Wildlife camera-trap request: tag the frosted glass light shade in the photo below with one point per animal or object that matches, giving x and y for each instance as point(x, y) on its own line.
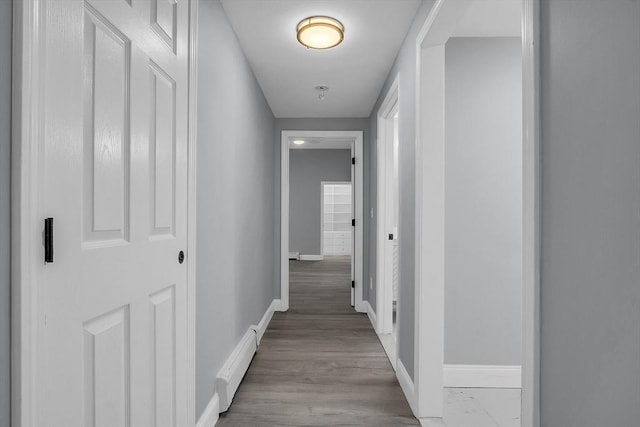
point(320, 32)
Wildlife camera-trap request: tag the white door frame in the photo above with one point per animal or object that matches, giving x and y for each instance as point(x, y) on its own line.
point(27, 210)
point(322, 185)
point(286, 136)
point(430, 215)
point(384, 292)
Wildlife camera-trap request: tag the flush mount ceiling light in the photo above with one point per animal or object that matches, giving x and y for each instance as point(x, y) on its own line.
point(320, 32)
point(298, 142)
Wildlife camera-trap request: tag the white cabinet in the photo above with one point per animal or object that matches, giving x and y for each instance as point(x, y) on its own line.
point(336, 219)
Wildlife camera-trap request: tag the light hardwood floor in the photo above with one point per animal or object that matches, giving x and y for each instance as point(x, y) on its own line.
point(320, 363)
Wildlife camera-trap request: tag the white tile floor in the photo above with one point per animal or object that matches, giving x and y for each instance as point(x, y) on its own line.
point(469, 407)
point(479, 407)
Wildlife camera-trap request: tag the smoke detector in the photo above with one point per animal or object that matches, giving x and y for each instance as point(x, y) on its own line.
point(321, 89)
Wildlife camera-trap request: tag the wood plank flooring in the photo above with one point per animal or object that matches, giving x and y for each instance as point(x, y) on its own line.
point(320, 363)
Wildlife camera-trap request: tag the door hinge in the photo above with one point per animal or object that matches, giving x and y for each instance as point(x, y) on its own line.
point(390, 236)
point(353, 161)
point(353, 222)
point(353, 284)
point(48, 240)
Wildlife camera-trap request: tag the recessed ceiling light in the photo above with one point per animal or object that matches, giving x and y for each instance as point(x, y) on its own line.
point(320, 32)
point(298, 142)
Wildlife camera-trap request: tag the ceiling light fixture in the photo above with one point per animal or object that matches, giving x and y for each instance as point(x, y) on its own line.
point(320, 32)
point(298, 142)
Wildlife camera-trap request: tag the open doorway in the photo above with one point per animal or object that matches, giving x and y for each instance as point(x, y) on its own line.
point(319, 166)
point(336, 222)
point(476, 202)
point(388, 254)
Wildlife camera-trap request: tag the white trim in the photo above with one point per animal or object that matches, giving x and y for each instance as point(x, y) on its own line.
point(531, 214)
point(429, 264)
point(26, 180)
point(286, 135)
point(277, 305)
point(192, 193)
point(311, 257)
point(26, 153)
point(209, 417)
point(429, 200)
point(482, 376)
point(262, 326)
point(284, 223)
point(371, 315)
point(358, 214)
point(384, 291)
point(230, 375)
point(235, 367)
point(406, 384)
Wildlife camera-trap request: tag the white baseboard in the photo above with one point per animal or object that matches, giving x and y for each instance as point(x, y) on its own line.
point(210, 416)
point(231, 374)
point(311, 257)
point(432, 422)
point(360, 307)
point(372, 315)
point(482, 376)
point(261, 327)
point(406, 384)
point(278, 306)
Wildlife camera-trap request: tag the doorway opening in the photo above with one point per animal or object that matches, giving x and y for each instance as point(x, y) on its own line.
point(336, 228)
point(452, 174)
point(388, 248)
point(319, 166)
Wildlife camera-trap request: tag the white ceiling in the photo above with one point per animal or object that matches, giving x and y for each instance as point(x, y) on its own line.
point(354, 71)
point(491, 18)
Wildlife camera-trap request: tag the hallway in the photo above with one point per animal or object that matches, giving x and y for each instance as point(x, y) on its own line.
point(320, 363)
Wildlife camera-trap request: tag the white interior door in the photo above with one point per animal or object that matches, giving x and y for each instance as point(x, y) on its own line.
point(392, 248)
point(113, 309)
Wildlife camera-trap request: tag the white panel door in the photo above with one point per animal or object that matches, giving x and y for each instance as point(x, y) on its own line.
point(114, 304)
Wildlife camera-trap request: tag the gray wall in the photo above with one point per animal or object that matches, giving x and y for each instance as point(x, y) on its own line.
point(236, 202)
point(405, 65)
point(483, 201)
point(307, 169)
point(5, 169)
point(355, 124)
point(590, 291)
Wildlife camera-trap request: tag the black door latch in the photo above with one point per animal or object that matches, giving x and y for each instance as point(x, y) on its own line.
point(48, 240)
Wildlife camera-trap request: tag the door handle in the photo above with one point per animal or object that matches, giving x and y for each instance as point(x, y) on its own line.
point(48, 240)
point(180, 257)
